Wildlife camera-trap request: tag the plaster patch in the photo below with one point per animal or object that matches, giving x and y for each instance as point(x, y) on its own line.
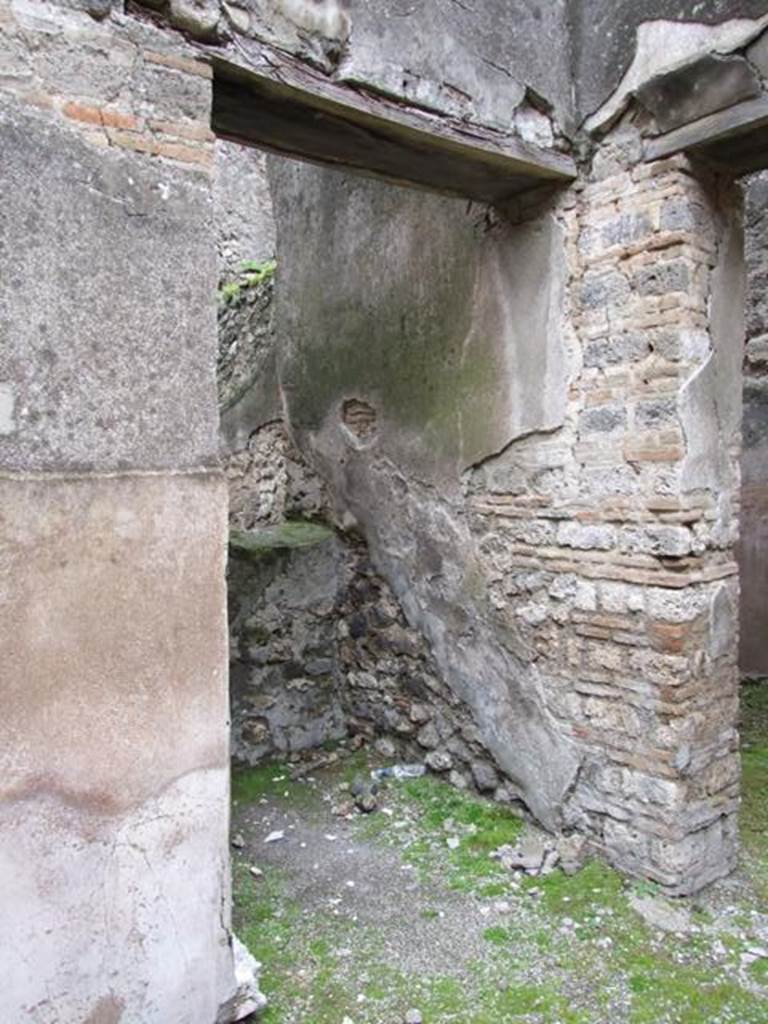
point(328, 17)
point(663, 46)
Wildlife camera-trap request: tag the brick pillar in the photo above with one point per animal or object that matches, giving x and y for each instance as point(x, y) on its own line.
point(114, 771)
point(658, 304)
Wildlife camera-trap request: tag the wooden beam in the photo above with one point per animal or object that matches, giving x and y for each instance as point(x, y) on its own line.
point(742, 154)
point(717, 133)
point(299, 112)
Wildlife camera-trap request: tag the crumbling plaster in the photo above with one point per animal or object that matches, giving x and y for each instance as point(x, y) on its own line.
point(474, 67)
point(429, 348)
point(603, 681)
point(618, 46)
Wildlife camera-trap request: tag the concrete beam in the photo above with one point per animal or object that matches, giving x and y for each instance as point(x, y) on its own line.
point(297, 112)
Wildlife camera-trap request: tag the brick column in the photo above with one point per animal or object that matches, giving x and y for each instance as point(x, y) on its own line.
point(609, 540)
point(658, 310)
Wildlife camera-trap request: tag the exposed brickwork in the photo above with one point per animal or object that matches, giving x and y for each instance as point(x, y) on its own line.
point(615, 570)
point(143, 91)
point(607, 543)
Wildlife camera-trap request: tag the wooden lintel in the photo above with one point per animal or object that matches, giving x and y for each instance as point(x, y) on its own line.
point(727, 137)
point(301, 113)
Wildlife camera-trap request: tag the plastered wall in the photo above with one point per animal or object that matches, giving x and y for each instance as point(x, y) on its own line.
point(113, 743)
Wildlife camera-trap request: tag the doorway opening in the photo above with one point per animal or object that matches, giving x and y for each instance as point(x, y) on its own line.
point(366, 899)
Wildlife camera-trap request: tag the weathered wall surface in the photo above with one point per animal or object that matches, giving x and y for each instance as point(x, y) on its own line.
point(753, 542)
point(246, 373)
point(620, 44)
point(284, 672)
point(242, 207)
point(537, 439)
point(114, 848)
point(113, 840)
point(479, 64)
point(477, 67)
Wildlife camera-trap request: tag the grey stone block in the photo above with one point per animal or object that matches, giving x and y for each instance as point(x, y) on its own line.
point(702, 87)
point(603, 420)
point(660, 278)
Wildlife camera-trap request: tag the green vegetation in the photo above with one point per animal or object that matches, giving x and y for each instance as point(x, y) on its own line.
point(294, 533)
point(251, 273)
point(257, 271)
point(754, 761)
point(553, 950)
point(271, 780)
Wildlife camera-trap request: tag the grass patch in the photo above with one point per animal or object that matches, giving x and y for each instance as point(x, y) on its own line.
point(689, 995)
point(496, 936)
point(753, 819)
point(595, 887)
point(573, 953)
point(480, 825)
point(270, 781)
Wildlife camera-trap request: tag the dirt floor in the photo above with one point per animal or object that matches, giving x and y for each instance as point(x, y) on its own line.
point(401, 916)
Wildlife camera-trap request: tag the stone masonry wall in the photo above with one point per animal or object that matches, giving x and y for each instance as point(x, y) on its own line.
point(320, 650)
point(319, 646)
point(753, 544)
point(610, 541)
point(585, 570)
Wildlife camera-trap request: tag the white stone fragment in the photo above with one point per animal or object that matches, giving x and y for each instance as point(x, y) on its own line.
point(660, 913)
point(247, 998)
point(7, 404)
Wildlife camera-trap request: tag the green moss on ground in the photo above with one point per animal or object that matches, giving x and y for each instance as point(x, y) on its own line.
point(272, 781)
point(569, 950)
point(479, 825)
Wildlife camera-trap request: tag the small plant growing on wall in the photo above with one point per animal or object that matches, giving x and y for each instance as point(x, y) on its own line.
point(250, 273)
